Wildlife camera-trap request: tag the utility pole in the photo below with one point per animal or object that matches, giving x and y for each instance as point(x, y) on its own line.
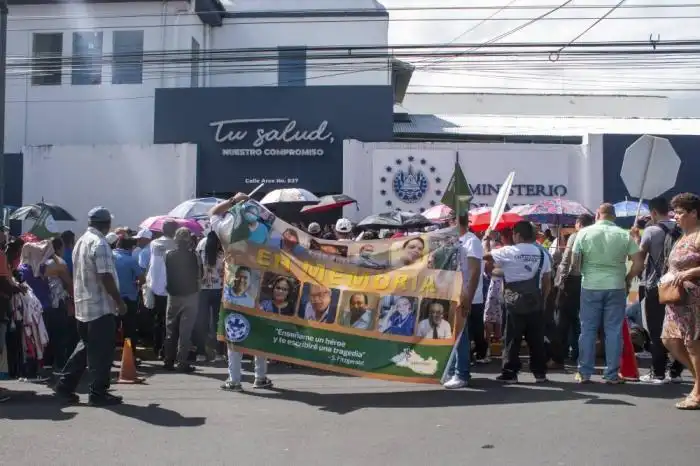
point(3, 71)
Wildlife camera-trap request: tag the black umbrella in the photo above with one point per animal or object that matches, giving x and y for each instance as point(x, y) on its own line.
point(34, 211)
point(397, 220)
point(327, 203)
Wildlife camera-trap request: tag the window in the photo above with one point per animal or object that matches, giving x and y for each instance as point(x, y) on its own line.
point(87, 58)
point(194, 70)
point(47, 50)
point(292, 67)
point(127, 61)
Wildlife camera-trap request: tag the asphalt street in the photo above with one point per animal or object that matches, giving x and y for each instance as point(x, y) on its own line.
point(315, 418)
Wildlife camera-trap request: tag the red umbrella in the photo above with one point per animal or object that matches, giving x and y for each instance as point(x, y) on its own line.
point(481, 222)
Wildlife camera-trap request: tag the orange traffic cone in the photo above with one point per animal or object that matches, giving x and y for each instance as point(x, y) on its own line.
point(629, 370)
point(127, 372)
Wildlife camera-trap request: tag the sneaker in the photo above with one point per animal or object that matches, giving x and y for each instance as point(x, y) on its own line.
point(486, 360)
point(643, 355)
point(219, 358)
point(4, 398)
point(541, 379)
point(169, 366)
point(230, 386)
point(262, 383)
point(653, 380)
point(507, 378)
point(105, 400)
point(455, 382)
point(201, 358)
point(675, 378)
point(615, 381)
point(66, 397)
point(580, 378)
point(185, 368)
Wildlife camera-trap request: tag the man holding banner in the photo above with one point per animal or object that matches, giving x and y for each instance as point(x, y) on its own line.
point(230, 226)
point(471, 254)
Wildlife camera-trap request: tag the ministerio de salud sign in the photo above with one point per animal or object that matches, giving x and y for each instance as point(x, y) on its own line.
point(275, 137)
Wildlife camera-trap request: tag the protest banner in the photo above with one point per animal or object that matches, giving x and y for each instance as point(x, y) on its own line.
point(383, 309)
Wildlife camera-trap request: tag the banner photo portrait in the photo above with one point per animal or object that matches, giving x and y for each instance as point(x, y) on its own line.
point(384, 309)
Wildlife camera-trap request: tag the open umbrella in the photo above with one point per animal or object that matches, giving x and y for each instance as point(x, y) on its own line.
point(554, 211)
point(290, 195)
point(156, 223)
point(439, 213)
point(629, 209)
point(194, 208)
point(35, 211)
point(397, 220)
point(481, 222)
point(519, 209)
point(327, 203)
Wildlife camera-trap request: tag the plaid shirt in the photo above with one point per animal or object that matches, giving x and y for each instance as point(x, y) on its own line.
point(92, 256)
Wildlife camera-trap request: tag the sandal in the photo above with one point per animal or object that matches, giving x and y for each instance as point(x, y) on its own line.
point(689, 404)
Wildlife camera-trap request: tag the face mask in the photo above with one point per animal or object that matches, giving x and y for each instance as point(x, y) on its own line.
point(251, 218)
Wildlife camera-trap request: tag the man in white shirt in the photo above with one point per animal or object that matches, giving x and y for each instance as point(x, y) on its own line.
point(435, 327)
point(527, 270)
point(470, 256)
point(156, 282)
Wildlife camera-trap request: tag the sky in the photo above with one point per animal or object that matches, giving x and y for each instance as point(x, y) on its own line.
point(457, 22)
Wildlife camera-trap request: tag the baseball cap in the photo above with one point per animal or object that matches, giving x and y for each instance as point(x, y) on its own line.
point(99, 214)
point(314, 228)
point(111, 237)
point(343, 225)
point(144, 233)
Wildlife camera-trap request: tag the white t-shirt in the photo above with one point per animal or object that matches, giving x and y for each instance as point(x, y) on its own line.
point(472, 247)
point(520, 262)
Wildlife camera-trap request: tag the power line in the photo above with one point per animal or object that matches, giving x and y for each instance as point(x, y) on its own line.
point(329, 12)
point(516, 29)
point(597, 22)
point(479, 24)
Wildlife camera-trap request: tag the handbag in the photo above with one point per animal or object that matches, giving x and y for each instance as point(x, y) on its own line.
point(671, 294)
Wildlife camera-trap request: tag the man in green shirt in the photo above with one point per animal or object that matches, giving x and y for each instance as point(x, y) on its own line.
point(602, 251)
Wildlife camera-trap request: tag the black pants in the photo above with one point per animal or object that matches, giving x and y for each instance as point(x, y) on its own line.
point(476, 331)
point(159, 309)
point(654, 312)
point(129, 321)
point(94, 351)
point(568, 323)
point(62, 337)
point(531, 326)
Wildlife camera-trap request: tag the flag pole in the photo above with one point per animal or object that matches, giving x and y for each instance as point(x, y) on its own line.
point(453, 353)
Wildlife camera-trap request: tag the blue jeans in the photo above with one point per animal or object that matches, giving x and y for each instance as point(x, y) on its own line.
point(460, 362)
point(606, 307)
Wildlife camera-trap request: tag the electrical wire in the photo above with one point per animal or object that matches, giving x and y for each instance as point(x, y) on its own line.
point(477, 25)
point(329, 12)
point(589, 28)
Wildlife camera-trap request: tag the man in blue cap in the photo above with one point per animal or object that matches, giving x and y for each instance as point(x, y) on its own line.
point(97, 302)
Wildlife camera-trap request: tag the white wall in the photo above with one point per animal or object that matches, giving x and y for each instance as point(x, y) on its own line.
point(273, 32)
point(482, 163)
point(132, 181)
point(93, 114)
point(538, 104)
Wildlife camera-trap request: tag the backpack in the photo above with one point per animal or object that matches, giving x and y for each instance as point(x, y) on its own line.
point(670, 238)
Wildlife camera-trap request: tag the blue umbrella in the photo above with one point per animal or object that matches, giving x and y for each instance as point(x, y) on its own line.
point(629, 209)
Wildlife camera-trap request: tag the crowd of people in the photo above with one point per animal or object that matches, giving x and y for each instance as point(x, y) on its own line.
point(64, 301)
